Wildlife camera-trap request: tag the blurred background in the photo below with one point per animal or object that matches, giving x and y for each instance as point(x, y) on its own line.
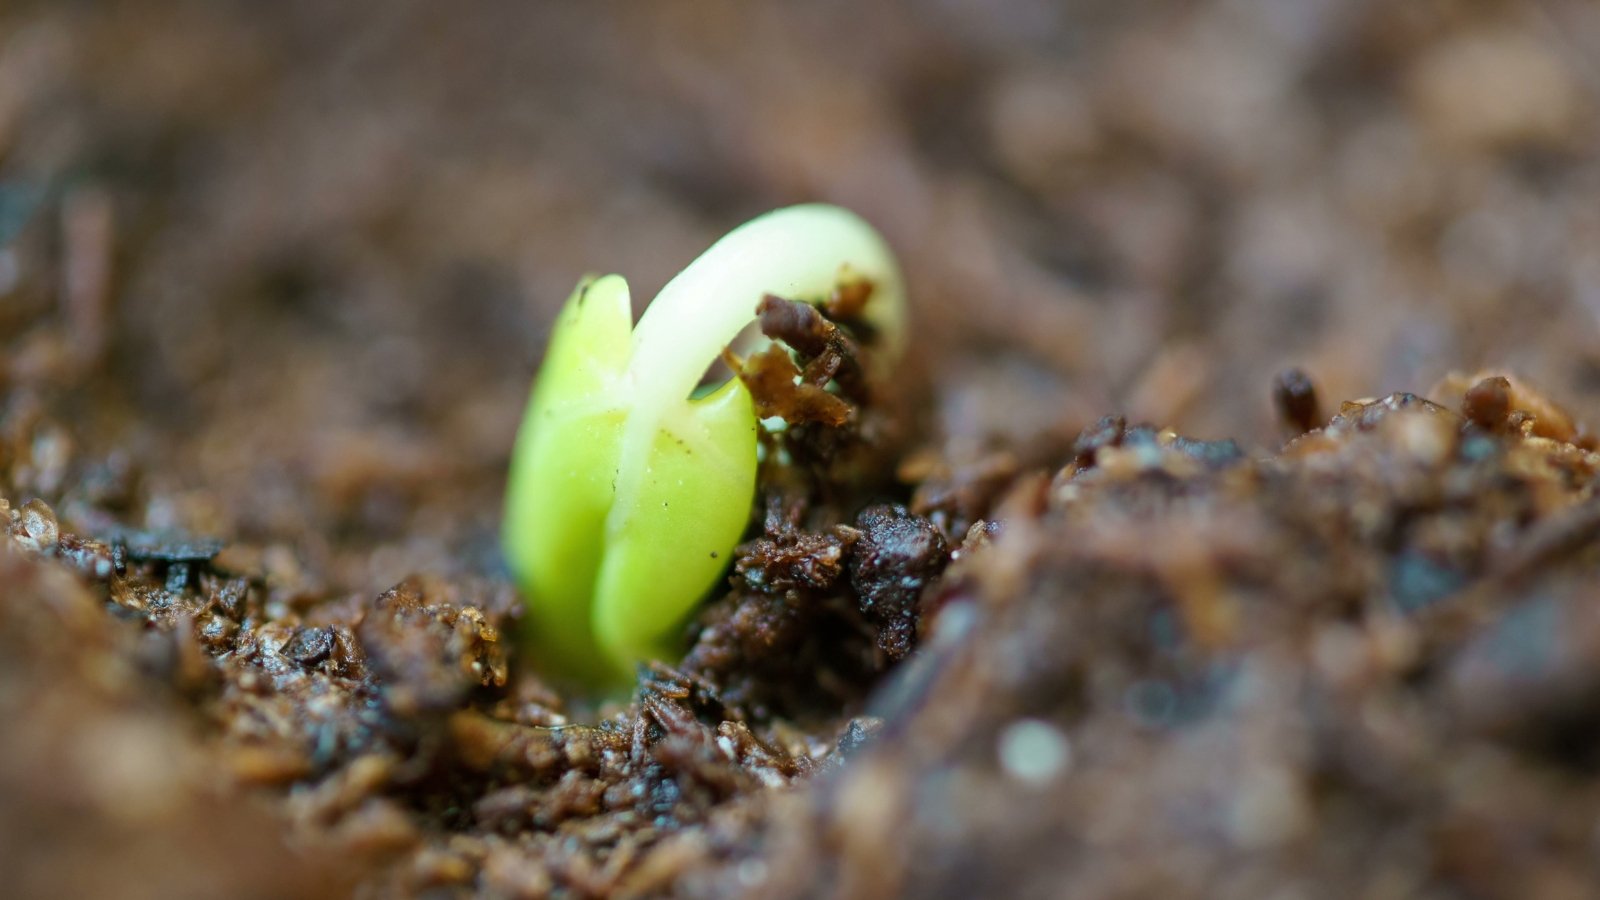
point(299, 259)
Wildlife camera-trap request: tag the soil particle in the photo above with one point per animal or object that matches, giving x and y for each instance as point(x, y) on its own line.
point(1107, 432)
point(310, 646)
point(1294, 395)
point(1211, 454)
point(34, 527)
point(93, 558)
point(829, 354)
point(1528, 410)
point(1488, 402)
point(895, 557)
point(428, 651)
point(848, 301)
point(799, 394)
point(780, 390)
point(845, 420)
point(803, 561)
point(856, 735)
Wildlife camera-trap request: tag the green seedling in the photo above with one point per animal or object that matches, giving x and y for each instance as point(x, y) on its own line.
point(630, 485)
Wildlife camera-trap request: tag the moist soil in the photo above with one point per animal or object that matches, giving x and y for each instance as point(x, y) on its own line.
point(1229, 530)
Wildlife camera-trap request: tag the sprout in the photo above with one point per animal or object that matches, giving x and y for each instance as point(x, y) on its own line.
point(629, 488)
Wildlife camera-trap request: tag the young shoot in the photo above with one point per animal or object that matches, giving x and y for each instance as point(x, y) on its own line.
point(629, 488)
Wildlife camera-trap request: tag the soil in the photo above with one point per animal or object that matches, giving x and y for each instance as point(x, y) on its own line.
point(1113, 589)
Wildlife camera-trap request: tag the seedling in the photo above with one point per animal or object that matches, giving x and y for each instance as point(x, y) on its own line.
point(629, 487)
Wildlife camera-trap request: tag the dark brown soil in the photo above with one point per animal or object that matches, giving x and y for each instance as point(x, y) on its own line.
point(273, 280)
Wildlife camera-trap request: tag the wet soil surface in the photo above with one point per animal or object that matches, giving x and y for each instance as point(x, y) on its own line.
point(1106, 592)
